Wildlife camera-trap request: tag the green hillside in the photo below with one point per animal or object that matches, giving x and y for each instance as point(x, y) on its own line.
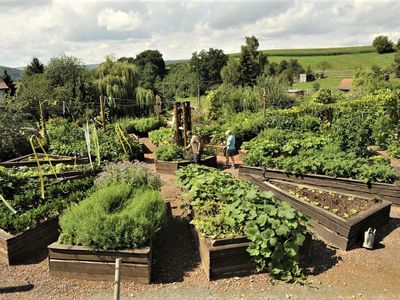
point(13, 72)
point(345, 62)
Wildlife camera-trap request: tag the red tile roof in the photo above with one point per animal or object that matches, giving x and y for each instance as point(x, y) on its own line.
point(3, 85)
point(345, 84)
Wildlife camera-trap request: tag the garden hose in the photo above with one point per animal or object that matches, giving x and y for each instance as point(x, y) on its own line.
point(8, 204)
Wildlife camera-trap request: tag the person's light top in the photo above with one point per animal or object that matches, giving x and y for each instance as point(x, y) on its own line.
point(231, 142)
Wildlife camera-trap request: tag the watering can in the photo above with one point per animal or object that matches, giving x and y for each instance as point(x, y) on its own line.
point(369, 238)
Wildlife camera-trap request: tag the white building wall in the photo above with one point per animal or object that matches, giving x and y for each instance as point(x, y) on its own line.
point(1, 96)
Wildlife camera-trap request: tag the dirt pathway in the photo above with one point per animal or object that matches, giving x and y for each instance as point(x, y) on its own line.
point(177, 274)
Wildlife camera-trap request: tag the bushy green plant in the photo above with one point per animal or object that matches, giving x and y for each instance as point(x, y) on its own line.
point(32, 209)
point(227, 207)
point(140, 125)
point(136, 174)
point(324, 96)
point(394, 149)
point(161, 136)
point(114, 217)
point(170, 152)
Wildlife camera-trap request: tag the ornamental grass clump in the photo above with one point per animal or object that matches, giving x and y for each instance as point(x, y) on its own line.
point(225, 207)
point(116, 216)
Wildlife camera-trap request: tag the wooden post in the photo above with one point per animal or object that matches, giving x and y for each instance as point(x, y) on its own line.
point(102, 113)
point(43, 122)
point(177, 118)
point(185, 129)
point(198, 96)
point(264, 97)
point(117, 279)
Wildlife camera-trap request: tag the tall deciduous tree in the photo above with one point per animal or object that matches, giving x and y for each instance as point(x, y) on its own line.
point(207, 65)
point(252, 62)
point(117, 79)
point(382, 44)
point(35, 67)
point(230, 73)
point(397, 64)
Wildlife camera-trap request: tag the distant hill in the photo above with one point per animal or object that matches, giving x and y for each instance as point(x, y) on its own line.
point(14, 73)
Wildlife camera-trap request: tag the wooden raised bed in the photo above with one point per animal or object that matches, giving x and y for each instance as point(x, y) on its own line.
point(385, 191)
point(17, 247)
point(335, 230)
point(55, 159)
point(170, 167)
point(85, 263)
point(221, 258)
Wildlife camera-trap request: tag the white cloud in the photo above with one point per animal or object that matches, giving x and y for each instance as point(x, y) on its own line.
point(119, 20)
point(92, 29)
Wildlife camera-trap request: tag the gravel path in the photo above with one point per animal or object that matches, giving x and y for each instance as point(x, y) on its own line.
point(177, 274)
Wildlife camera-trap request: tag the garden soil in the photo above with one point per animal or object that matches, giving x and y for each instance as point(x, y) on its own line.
point(177, 274)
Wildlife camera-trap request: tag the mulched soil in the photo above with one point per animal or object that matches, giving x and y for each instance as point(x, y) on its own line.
point(341, 205)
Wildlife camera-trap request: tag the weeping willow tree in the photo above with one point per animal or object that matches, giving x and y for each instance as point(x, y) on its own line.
point(144, 97)
point(117, 79)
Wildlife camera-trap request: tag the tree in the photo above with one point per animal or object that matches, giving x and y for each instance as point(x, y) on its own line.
point(151, 56)
point(398, 44)
point(181, 81)
point(35, 67)
point(397, 64)
point(382, 44)
point(116, 79)
point(207, 65)
point(33, 90)
point(64, 70)
point(251, 62)
point(323, 65)
point(9, 82)
point(230, 73)
point(275, 90)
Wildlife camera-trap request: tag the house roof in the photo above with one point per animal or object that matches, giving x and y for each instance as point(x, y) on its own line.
point(3, 85)
point(345, 84)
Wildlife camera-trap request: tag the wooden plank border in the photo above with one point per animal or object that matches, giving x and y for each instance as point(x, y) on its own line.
point(340, 232)
point(91, 264)
point(222, 258)
point(170, 167)
point(15, 248)
point(385, 191)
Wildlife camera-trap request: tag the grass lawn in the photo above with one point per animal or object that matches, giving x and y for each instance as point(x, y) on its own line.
point(203, 101)
point(325, 83)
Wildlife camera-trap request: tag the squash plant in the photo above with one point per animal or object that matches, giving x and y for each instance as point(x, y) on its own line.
point(227, 207)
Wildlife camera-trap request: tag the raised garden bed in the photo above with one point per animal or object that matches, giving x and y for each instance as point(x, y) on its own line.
point(385, 191)
point(221, 258)
point(30, 161)
point(336, 230)
point(17, 247)
point(89, 264)
point(170, 167)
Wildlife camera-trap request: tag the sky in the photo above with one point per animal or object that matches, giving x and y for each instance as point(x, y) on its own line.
point(92, 29)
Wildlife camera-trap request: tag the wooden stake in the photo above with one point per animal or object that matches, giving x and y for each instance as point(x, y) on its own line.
point(185, 128)
point(177, 118)
point(264, 97)
point(43, 122)
point(102, 113)
point(117, 279)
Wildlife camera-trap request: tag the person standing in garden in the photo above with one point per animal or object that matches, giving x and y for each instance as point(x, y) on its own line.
point(230, 148)
point(195, 144)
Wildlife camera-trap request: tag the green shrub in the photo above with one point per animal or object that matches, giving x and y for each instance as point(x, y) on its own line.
point(137, 175)
point(394, 149)
point(161, 136)
point(170, 152)
point(324, 96)
point(140, 125)
point(31, 209)
point(114, 217)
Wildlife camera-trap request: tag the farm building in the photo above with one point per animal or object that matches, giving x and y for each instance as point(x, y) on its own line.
point(306, 77)
point(345, 85)
point(3, 88)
